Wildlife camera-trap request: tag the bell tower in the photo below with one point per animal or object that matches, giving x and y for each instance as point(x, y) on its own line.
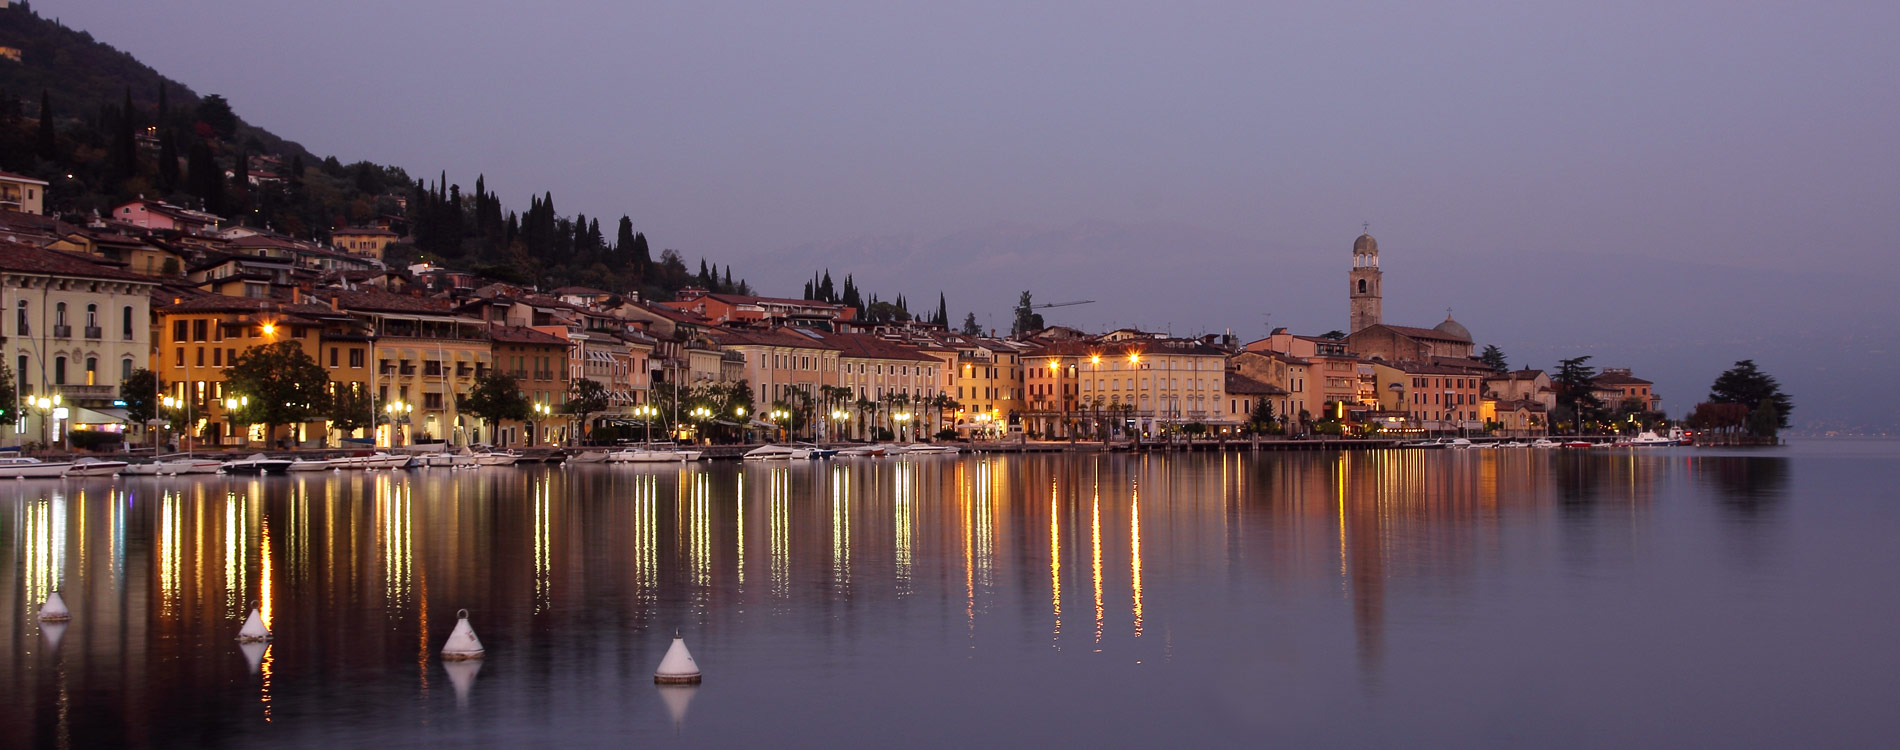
point(1364, 282)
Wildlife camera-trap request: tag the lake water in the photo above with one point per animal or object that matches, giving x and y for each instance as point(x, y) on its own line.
point(1510, 598)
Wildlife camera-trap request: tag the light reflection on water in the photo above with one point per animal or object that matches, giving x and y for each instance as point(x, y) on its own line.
point(928, 577)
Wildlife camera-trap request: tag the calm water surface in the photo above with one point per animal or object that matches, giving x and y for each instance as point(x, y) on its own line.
point(1418, 598)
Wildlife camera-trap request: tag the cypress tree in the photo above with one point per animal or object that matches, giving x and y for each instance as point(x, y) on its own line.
point(48, 145)
point(207, 181)
point(727, 284)
point(125, 149)
point(623, 239)
point(642, 260)
point(943, 312)
point(168, 161)
point(825, 290)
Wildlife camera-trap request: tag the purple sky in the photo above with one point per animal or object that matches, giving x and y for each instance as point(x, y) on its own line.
point(1670, 186)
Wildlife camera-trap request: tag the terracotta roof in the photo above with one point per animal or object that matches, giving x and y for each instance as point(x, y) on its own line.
point(227, 303)
point(376, 300)
point(1619, 378)
point(1242, 385)
point(1417, 333)
point(24, 258)
point(363, 231)
point(584, 290)
point(520, 335)
point(1426, 368)
point(866, 346)
point(772, 337)
point(1527, 374)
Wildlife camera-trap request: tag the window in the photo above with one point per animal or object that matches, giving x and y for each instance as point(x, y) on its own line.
point(217, 357)
point(59, 371)
point(92, 371)
point(197, 330)
point(356, 358)
point(179, 330)
point(125, 369)
point(333, 356)
point(92, 316)
point(24, 380)
point(20, 327)
point(201, 356)
point(126, 322)
point(59, 314)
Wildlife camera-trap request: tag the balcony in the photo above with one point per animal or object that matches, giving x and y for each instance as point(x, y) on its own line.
point(95, 333)
point(62, 332)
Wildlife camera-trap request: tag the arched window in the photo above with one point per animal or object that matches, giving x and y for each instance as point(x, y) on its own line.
point(59, 371)
point(127, 323)
point(92, 316)
point(125, 368)
point(1362, 286)
point(59, 314)
point(92, 371)
point(20, 326)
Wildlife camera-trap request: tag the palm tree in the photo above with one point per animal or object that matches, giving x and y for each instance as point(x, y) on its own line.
point(941, 404)
point(866, 410)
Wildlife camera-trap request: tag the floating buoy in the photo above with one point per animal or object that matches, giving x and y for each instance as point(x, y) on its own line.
point(462, 677)
point(677, 667)
point(462, 644)
point(254, 653)
point(54, 610)
point(254, 630)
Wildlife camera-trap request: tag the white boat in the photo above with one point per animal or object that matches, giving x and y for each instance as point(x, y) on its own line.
point(445, 460)
point(173, 464)
point(651, 455)
point(95, 467)
point(257, 463)
point(1512, 444)
point(893, 449)
point(587, 457)
point(771, 453)
point(1649, 439)
point(311, 464)
point(1459, 443)
point(497, 458)
point(923, 449)
point(862, 450)
point(377, 460)
point(1544, 443)
point(23, 467)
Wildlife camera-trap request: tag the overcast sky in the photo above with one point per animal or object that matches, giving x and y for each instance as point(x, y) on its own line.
point(1495, 146)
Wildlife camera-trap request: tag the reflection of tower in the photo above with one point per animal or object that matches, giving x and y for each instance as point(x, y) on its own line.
point(1364, 280)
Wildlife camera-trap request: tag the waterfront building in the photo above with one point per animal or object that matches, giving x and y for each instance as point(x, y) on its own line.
point(424, 354)
point(1616, 386)
point(199, 335)
point(782, 365)
point(1522, 385)
point(539, 363)
point(899, 380)
point(1244, 394)
point(76, 330)
point(1157, 383)
point(1435, 397)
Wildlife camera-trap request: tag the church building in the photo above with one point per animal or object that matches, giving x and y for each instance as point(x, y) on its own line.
point(1371, 338)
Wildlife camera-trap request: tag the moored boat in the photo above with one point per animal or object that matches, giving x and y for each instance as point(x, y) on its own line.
point(27, 467)
point(311, 464)
point(497, 458)
point(587, 457)
point(257, 463)
point(95, 467)
point(770, 453)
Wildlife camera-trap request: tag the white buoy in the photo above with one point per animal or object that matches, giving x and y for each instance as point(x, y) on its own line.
point(462, 644)
point(254, 630)
point(253, 652)
point(677, 667)
point(54, 610)
point(462, 677)
point(52, 631)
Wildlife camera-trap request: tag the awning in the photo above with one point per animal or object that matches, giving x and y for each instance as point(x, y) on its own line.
point(103, 415)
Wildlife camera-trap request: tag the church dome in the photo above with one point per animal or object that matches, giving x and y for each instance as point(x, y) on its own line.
point(1453, 328)
point(1365, 244)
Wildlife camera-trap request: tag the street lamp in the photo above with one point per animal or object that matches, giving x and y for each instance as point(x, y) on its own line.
point(398, 412)
point(47, 407)
point(902, 418)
